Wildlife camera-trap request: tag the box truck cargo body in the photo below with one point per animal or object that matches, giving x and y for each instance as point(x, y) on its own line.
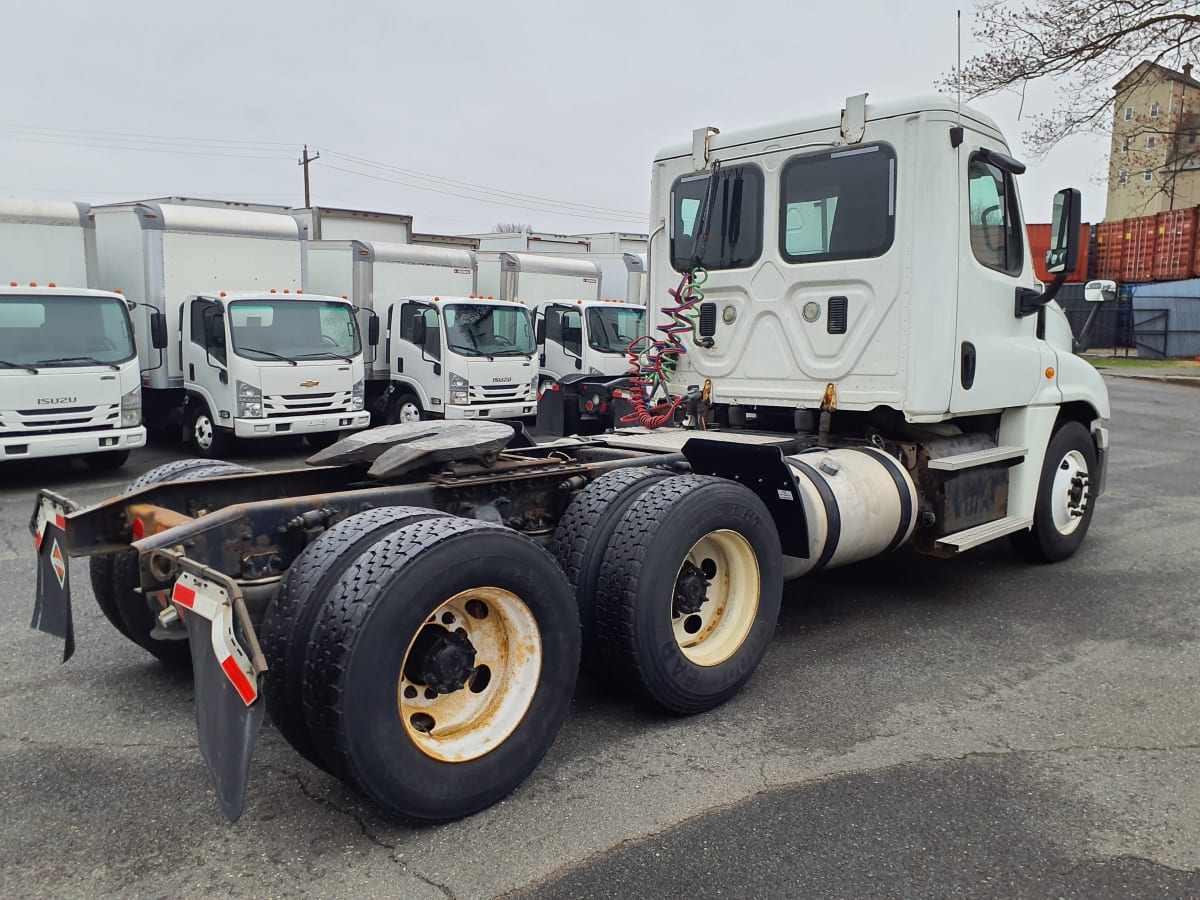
point(69, 381)
point(204, 278)
point(534, 278)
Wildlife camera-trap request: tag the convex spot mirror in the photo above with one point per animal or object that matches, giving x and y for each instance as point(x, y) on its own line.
point(1063, 254)
point(1100, 291)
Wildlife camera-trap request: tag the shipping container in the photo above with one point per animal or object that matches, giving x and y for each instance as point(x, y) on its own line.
point(1110, 244)
point(1137, 256)
point(1175, 244)
point(1039, 244)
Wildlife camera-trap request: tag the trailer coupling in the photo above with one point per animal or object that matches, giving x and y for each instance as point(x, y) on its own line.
point(226, 658)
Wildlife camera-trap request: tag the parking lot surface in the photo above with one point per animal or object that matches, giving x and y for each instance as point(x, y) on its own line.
point(978, 726)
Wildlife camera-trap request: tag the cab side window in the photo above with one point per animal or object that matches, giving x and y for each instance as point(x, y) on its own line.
point(409, 313)
point(995, 221)
point(208, 328)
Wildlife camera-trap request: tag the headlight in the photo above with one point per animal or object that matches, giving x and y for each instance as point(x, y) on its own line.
point(458, 383)
point(533, 385)
point(357, 395)
point(460, 390)
point(131, 408)
point(249, 401)
point(460, 398)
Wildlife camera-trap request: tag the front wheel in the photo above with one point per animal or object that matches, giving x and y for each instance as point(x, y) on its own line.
point(1064, 507)
point(442, 667)
point(209, 440)
point(106, 462)
point(689, 591)
point(405, 407)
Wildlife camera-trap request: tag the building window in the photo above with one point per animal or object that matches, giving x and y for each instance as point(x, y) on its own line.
point(1147, 175)
point(1125, 145)
point(1154, 110)
point(1151, 142)
point(1123, 175)
point(1128, 113)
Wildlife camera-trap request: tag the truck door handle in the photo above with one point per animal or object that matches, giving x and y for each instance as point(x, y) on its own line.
point(967, 369)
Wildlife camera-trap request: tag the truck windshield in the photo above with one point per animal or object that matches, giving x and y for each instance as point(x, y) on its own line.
point(611, 329)
point(59, 331)
point(474, 329)
point(292, 329)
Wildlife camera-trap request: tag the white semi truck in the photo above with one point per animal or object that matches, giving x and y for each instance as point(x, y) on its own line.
point(446, 352)
point(229, 346)
point(852, 356)
point(69, 382)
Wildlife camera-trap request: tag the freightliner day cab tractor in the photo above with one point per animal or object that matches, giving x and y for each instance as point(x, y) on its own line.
point(851, 355)
point(446, 353)
point(69, 382)
point(229, 346)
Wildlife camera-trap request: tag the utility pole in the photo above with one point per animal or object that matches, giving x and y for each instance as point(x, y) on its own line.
point(305, 159)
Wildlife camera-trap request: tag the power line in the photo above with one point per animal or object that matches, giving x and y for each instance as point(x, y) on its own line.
point(413, 173)
point(420, 187)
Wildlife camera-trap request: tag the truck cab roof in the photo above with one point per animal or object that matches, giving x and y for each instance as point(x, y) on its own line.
point(52, 289)
point(228, 297)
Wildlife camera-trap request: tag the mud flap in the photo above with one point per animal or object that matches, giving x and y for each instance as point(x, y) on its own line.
point(228, 713)
point(52, 606)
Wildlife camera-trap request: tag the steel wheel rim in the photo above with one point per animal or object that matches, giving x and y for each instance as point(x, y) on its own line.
point(715, 632)
point(475, 719)
point(410, 412)
point(202, 430)
point(1068, 499)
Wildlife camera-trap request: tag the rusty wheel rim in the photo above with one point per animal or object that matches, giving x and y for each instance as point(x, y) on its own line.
point(712, 629)
point(470, 674)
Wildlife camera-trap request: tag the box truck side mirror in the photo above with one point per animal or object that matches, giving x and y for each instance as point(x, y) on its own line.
point(1063, 255)
point(541, 330)
point(373, 330)
point(419, 331)
point(158, 331)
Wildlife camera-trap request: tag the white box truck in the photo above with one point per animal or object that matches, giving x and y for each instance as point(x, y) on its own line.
point(69, 382)
point(228, 345)
point(533, 278)
point(409, 379)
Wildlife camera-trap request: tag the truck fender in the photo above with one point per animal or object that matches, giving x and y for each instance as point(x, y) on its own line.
point(765, 472)
point(400, 383)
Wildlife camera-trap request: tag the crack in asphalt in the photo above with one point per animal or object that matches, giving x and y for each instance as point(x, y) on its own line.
point(364, 828)
point(93, 745)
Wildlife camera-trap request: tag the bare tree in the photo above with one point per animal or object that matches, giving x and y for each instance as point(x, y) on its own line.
point(510, 227)
point(1084, 46)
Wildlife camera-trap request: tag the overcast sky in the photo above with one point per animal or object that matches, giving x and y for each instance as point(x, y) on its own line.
point(438, 106)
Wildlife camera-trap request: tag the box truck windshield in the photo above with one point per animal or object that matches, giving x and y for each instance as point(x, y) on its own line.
point(292, 329)
point(611, 329)
point(483, 330)
point(55, 331)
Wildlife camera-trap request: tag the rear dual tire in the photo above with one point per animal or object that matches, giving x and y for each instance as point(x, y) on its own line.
point(438, 667)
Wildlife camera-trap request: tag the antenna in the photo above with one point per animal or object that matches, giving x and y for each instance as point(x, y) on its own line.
point(958, 68)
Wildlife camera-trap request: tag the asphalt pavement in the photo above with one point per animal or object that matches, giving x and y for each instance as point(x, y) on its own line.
point(968, 727)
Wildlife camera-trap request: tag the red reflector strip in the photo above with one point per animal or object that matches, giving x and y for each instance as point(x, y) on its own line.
point(60, 522)
point(184, 595)
point(234, 673)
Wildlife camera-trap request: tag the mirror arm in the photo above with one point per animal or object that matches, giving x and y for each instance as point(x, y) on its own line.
point(1029, 301)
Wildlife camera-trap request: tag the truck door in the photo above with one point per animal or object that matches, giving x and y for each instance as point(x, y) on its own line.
point(420, 364)
point(998, 357)
point(204, 356)
point(564, 340)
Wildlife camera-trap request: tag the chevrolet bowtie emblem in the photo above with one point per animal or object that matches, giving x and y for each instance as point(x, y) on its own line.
point(309, 383)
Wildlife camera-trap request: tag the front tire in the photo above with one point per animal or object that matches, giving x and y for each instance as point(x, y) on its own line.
point(442, 667)
point(106, 462)
point(1063, 512)
point(689, 591)
point(405, 408)
point(209, 440)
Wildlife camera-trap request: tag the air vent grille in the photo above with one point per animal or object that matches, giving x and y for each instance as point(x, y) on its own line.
point(836, 323)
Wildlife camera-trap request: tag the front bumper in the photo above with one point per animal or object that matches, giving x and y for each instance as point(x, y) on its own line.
point(338, 420)
point(512, 410)
point(33, 446)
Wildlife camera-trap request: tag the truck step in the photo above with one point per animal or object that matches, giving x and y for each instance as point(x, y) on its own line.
point(976, 458)
point(981, 534)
